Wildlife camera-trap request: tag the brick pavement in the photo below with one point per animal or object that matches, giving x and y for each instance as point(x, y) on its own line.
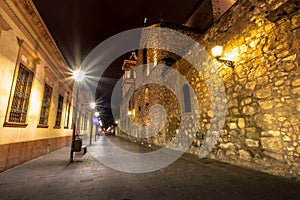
point(50, 177)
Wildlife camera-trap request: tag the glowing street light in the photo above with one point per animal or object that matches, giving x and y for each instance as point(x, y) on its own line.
point(92, 105)
point(78, 75)
point(217, 51)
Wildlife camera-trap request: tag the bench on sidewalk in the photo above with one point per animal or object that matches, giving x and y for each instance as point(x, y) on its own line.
point(79, 149)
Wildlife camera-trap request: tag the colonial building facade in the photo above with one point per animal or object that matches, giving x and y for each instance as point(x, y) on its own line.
point(259, 69)
point(36, 88)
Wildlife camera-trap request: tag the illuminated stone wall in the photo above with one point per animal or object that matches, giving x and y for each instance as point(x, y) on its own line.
point(262, 125)
point(261, 130)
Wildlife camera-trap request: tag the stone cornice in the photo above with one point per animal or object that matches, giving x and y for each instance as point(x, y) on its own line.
point(4, 25)
point(177, 27)
point(29, 11)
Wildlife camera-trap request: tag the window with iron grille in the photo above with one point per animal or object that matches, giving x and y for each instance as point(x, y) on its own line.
point(19, 106)
point(67, 114)
point(45, 105)
point(59, 110)
point(73, 117)
point(85, 123)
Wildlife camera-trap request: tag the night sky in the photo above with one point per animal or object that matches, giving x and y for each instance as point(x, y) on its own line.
point(80, 25)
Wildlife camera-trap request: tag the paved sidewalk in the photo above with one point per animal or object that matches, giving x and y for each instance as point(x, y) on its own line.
point(50, 177)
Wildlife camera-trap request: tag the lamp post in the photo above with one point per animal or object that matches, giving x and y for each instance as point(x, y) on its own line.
point(96, 115)
point(92, 106)
point(78, 76)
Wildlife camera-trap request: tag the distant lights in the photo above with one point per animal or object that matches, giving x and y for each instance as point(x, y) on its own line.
point(92, 105)
point(131, 112)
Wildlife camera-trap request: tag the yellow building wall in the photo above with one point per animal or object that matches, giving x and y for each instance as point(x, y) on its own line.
point(8, 56)
point(18, 145)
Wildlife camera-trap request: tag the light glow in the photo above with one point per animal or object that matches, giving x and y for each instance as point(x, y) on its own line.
point(92, 105)
point(78, 75)
point(217, 51)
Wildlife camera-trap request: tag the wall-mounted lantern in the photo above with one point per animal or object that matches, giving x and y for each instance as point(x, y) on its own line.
point(217, 52)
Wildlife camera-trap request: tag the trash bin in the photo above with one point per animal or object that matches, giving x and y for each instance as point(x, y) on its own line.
point(77, 144)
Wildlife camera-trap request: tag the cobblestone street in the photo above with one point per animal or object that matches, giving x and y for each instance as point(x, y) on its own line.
point(50, 177)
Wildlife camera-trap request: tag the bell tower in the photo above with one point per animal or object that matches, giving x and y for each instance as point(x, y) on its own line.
point(129, 73)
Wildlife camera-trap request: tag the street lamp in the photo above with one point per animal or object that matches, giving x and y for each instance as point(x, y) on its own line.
point(92, 106)
point(217, 52)
point(78, 76)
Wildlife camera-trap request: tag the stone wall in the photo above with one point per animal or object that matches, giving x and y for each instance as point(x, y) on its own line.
point(262, 124)
point(261, 129)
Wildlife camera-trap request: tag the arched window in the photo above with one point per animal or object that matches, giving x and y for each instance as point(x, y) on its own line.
point(146, 94)
point(187, 98)
point(145, 56)
point(144, 59)
point(132, 73)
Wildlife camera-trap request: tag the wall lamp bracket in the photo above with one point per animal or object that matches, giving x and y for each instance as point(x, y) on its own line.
point(217, 52)
point(228, 63)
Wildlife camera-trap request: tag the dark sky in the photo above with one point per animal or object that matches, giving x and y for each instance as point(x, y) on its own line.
point(80, 25)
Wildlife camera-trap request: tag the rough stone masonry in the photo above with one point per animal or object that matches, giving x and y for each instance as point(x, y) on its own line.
point(261, 130)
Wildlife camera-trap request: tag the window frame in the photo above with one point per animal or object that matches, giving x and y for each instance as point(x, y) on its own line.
point(28, 59)
point(67, 115)
point(42, 106)
point(59, 111)
point(24, 89)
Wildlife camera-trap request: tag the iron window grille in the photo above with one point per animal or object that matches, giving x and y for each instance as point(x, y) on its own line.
point(73, 117)
point(59, 111)
point(45, 105)
point(67, 114)
point(19, 107)
point(85, 123)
